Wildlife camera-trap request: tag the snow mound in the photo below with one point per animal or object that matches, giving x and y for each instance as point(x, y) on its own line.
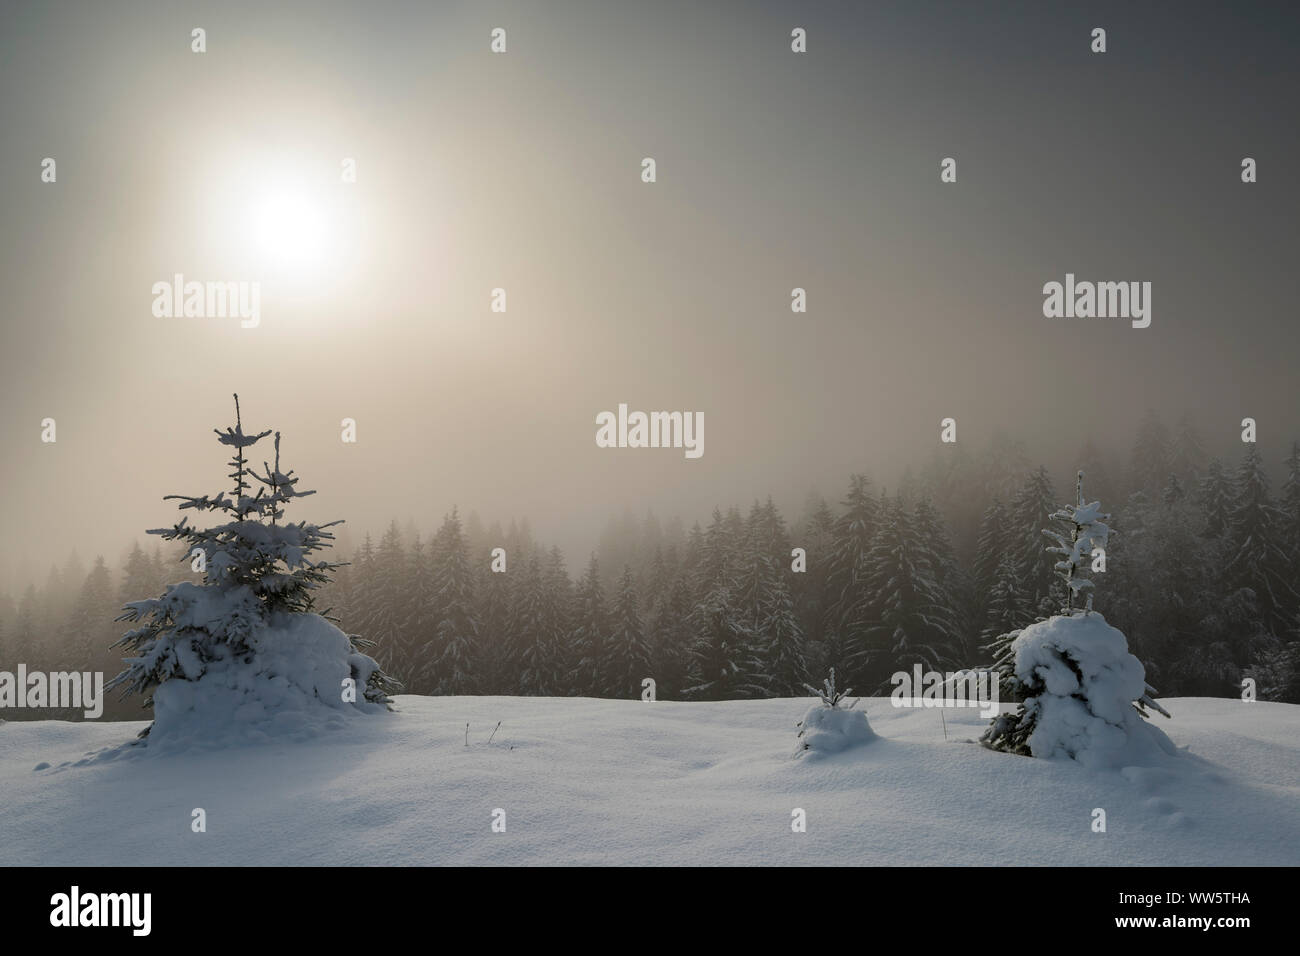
point(1088, 682)
point(828, 730)
point(290, 684)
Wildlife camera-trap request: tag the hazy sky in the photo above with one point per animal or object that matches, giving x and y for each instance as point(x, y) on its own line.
point(522, 171)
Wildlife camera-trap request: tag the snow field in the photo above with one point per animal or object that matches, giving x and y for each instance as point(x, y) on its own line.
point(586, 781)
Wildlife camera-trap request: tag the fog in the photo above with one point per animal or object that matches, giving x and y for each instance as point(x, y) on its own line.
point(523, 171)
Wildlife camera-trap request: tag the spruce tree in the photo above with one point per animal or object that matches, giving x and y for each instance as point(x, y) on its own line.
point(1031, 511)
point(592, 643)
point(913, 622)
point(1071, 673)
point(1257, 554)
point(629, 640)
point(1007, 608)
point(1152, 456)
point(388, 595)
point(498, 667)
point(849, 606)
point(671, 642)
point(450, 660)
point(1215, 500)
point(259, 573)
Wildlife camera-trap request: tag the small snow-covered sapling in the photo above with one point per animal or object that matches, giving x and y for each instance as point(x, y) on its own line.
point(830, 697)
point(831, 700)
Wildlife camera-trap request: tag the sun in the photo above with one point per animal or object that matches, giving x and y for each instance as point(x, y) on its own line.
point(290, 228)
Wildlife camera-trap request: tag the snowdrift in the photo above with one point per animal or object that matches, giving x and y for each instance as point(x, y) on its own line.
point(290, 684)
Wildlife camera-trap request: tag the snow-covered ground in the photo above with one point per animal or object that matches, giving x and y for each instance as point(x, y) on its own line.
point(628, 782)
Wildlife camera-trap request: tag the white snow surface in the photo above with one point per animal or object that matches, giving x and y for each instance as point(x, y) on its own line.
point(1090, 683)
point(588, 781)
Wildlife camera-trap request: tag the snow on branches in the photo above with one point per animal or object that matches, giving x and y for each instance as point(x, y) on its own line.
point(1084, 523)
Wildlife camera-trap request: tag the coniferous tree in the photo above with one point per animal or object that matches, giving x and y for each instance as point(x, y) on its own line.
point(450, 660)
point(419, 622)
point(765, 609)
point(1187, 457)
point(259, 573)
point(1007, 609)
point(1173, 491)
point(994, 545)
point(498, 666)
point(1290, 507)
point(592, 640)
point(811, 590)
point(1215, 500)
point(850, 609)
point(541, 625)
point(913, 623)
point(629, 640)
point(1073, 689)
point(1151, 457)
point(952, 583)
point(24, 640)
point(387, 624)
point(671, 642)
point(1031, 511)
point(1257, 557)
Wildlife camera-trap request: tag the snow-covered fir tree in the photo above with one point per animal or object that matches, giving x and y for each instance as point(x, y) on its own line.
point(671, 641)
point(542, 625)
point(832, 725)
point(991, 549)
point(913, 622)
point(419, 615)
point(849, 608)
point(591, 638)
point(1081, 693)
point(811, 589)
point(1290, 508)
point(951, 577)
point(246, 639)
point(497, 665)
point(1031, 511)
point(629, 640)
point(1215, 500)
point(388, 596)
point(765, 612)
point(450, 659)
point(1187, 455)
point(1152, 456)
point(1007, 607)
point(1258, 556)
point(1173, 491)
point(725, 664)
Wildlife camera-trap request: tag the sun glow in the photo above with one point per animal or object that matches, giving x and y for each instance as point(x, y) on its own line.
point(291, 229)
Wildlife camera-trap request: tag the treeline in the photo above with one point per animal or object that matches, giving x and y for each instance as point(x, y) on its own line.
point(68, 623)
point(1201, 576)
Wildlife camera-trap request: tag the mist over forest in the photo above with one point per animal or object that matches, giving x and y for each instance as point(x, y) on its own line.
point(1200, 574)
